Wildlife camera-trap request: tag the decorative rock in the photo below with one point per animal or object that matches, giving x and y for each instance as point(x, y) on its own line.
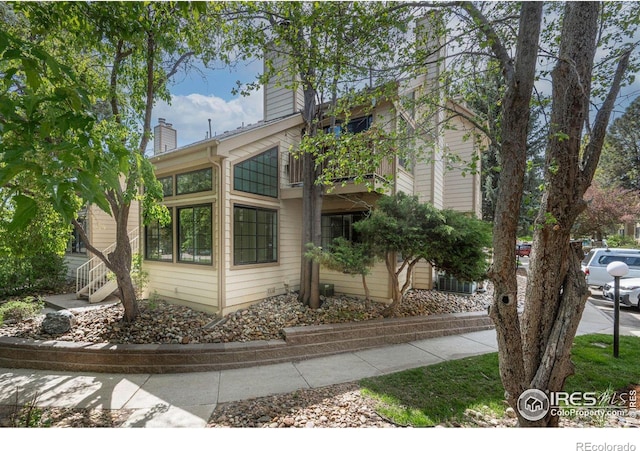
point(55, 323)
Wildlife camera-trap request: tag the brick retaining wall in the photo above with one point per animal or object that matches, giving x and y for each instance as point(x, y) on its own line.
point(300, 343)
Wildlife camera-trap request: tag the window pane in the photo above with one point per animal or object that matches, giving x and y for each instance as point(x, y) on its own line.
point(195, 241)
point(255, 235)
point(193, 182)
point(76, 245)
point(167, 185)
point(340, 225)
point(258, 175)
point(159, 242)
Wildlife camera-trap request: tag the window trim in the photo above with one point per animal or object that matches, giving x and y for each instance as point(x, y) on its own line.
point(275, 148)
point(178, 174)
point(173, 247)
point(234, 263)
point(176, 233)
point(361, 213)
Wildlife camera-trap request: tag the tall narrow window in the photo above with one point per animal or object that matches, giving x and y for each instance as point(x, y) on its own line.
point(258, 175)
point(76, 244)
point(167, 185)
point(195, 234)
point(158, 244)
point(255, 235)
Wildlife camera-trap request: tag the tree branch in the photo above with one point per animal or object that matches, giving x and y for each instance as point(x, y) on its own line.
point(89, 246)
point(594, 148)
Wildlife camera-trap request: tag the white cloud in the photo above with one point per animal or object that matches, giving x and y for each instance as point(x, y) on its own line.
point(190, 114)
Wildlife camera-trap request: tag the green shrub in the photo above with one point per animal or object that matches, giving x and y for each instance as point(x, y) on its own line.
point(42, 272)
point(621, 241)
point(19, 310)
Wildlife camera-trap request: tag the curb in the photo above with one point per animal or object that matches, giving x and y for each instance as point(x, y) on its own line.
point(300, 343)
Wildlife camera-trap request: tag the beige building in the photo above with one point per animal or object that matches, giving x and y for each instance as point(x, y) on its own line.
point(236, 206)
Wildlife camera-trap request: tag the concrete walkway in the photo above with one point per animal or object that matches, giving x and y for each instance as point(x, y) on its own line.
point(188, 399)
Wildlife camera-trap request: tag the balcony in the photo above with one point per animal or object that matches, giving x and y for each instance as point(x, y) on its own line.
point(342, 184)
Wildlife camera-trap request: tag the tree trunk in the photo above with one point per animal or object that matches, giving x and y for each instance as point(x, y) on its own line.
point(305, 264)
point(535, 350)
point(520, 76)
point(556, 291)
point(121, 260)
point(312, 196)
point(396, 293)
point(366, 287)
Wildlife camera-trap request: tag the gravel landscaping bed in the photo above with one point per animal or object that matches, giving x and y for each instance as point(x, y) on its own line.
point(161, 322)
point(336, 406)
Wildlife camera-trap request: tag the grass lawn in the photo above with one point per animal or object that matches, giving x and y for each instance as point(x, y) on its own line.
point(441, 393)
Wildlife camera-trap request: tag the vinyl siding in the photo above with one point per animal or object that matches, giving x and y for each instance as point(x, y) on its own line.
point(279, 100)
point(377, 281)
point(462, 192)
point(192, 285)
point(404, 182)
point(245, 284)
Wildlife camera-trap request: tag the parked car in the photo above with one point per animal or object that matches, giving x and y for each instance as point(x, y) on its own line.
point(523, 250)
point(629, 292)
point(595, 264)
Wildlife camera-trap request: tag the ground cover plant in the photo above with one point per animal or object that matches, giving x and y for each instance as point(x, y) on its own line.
point(442, 393)
point(20, 309)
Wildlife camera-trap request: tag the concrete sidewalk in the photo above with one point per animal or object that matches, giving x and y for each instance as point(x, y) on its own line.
point(189, 399)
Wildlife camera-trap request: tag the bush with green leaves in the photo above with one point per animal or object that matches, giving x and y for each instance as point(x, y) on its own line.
point(32, 259)
point(31, 274)
point(451, 241)
point(20, 309)
point(621, 241)
point(346, 257)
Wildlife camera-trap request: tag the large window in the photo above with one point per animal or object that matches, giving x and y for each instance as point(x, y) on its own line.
point(255, 235)
point(340, 225)
point(195, 234)
point(158, 243)
point(258, 175)
point(195, 181)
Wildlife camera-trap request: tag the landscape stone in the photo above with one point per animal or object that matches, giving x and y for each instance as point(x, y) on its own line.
point(59, 322)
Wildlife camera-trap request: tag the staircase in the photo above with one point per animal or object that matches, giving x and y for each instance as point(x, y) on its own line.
point(94, 281)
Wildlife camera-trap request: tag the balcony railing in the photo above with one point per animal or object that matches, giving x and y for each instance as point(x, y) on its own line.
point(386, 167)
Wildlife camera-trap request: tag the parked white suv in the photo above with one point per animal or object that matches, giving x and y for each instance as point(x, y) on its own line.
point(595, 264)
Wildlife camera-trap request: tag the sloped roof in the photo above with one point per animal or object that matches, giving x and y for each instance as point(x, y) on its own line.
point(228, 134)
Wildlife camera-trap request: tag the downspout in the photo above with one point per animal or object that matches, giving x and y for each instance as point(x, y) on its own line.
point(221, 231)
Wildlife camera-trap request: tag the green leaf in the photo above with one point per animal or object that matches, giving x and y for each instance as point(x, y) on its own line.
point(26, 210)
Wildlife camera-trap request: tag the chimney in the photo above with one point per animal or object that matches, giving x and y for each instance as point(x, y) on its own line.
point(165, 137)
point(279, 98)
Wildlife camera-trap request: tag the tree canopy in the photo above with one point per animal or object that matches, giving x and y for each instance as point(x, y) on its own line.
point(620, 162)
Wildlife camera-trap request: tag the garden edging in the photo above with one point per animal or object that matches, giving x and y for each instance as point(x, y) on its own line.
point(300, 343)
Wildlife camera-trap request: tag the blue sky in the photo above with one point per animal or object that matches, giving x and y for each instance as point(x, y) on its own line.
point(206, 94)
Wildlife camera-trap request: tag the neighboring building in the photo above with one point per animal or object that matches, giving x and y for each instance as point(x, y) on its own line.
point(236, 207)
